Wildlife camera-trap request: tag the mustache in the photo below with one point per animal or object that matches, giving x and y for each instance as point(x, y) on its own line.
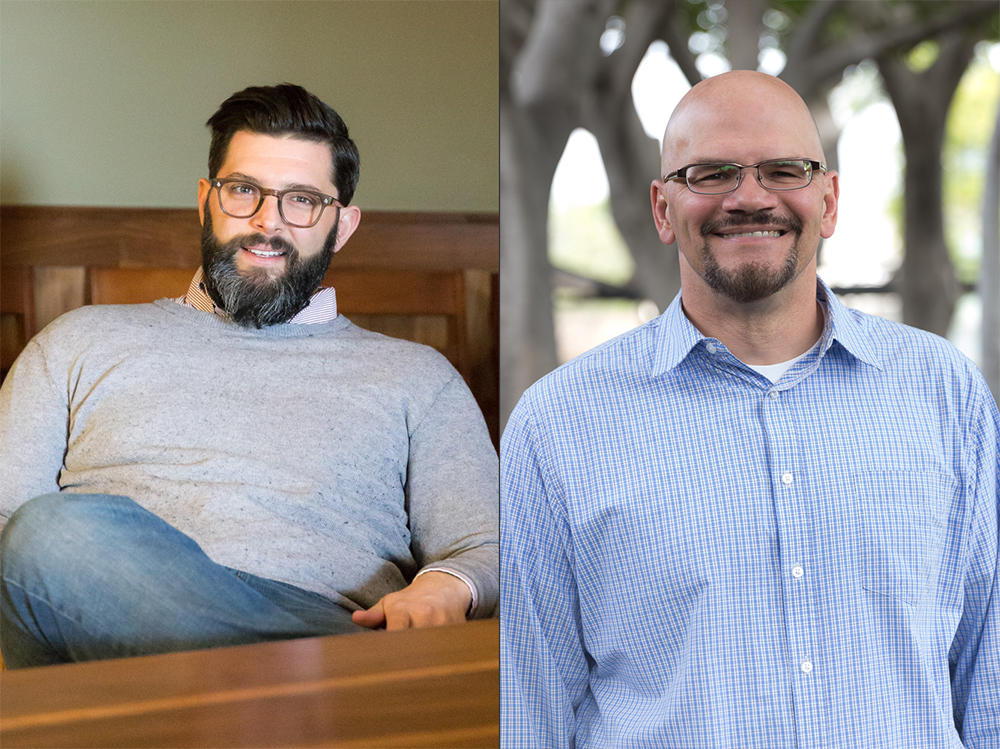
point(737, 220)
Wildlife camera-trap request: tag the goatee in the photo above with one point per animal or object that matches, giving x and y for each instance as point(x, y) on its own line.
point(750, 282)
point(255, 299)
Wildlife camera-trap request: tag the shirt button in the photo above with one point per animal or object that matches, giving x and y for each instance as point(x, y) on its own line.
point(772, 394)
point(807, 667)
point(710, 348)
point(786, 478)
point(797, 572)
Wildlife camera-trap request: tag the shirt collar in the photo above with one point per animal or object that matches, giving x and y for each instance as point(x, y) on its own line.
point(322, 306)
point(676, 336)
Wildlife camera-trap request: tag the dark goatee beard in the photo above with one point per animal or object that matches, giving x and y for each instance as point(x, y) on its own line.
point(256, 299)
point(750, 282)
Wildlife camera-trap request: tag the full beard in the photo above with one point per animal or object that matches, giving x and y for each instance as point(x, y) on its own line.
point(750, 282)
point(255, 299)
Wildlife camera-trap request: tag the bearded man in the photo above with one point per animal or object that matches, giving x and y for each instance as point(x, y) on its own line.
point(762, 519)
point(242, 464)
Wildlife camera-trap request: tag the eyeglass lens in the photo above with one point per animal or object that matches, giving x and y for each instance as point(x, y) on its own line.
point(240, 200)
point(777, 175)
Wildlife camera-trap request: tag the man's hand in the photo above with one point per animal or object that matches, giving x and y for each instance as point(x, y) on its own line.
point(432, 599)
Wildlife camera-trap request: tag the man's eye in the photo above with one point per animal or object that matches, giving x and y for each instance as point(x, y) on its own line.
point(240, 189)
point(791, 172)
point(716, 176)
point(303, 199)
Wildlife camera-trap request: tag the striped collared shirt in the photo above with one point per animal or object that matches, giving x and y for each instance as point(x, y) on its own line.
point(695, 556)
point(322, 306)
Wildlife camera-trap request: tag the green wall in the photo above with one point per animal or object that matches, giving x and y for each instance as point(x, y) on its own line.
point(104, 102)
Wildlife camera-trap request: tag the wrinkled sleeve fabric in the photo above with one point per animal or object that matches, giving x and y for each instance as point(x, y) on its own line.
point(975, 651)
point(544, 669)
point(34, 423)
point(451, 493)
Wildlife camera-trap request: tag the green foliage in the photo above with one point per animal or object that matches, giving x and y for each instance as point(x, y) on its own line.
point(922, 56)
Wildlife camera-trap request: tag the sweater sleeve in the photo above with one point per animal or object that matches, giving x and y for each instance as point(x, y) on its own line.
point(452, 493)
point(34, 423)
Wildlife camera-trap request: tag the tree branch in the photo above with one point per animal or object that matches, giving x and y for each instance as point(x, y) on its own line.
point(834, 60)
point(644, 19)
point(674, 33)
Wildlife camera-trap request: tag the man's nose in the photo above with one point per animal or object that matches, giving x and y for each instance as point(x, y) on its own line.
point(268, 218)
point(750, 196)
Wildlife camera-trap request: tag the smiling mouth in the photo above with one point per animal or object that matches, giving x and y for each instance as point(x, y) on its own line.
point(263, 253)
point(755, 234)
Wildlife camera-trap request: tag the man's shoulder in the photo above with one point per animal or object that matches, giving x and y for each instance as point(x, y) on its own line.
point(896, 344)
point(621, 363)
point(404, 356)
point(916, 364)
point(101, 320)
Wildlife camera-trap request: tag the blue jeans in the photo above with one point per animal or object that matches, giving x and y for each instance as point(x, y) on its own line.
point(93, 576)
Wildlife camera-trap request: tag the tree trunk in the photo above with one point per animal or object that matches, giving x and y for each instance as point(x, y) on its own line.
point(744, 21)
point(539, 107)
point(927, 282)
point(527, 333)
point(631, 158)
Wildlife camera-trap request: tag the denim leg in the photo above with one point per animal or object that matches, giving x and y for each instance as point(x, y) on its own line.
point(91, 576)
point(311, 608)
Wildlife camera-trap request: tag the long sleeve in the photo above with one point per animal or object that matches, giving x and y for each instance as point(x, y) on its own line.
point(34, 418)
point(975, 651)
point(544, 672)
point(451, 493)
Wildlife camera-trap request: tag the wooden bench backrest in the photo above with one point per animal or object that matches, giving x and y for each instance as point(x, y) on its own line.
point(426, 306)
point(428, 277)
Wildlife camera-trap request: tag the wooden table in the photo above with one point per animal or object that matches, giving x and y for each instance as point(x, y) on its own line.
point(436, 687)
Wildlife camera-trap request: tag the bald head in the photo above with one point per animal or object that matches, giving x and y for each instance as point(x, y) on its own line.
point(728, 117)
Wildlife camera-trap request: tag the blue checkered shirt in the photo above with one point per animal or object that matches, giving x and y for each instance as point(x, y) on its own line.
point(694, 556)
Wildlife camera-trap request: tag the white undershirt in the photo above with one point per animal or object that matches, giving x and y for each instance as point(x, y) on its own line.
point(773, 372)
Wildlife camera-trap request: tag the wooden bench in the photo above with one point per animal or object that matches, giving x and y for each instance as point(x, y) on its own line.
point(427, 277)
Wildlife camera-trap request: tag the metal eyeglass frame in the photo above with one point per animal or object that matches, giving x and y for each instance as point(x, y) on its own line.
point(278, 195)
point(682, 174)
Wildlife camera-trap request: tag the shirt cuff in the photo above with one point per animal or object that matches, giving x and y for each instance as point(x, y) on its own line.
point(472, 586)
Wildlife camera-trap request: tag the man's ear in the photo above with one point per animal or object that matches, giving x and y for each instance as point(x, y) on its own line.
point(350, 217)
point(661, 216)
point(831, 201)
point(204, 186)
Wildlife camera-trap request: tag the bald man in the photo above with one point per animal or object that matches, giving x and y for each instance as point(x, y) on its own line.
point(762, 519)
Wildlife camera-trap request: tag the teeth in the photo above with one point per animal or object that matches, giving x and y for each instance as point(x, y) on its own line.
point(261, 253)
point(757, 234)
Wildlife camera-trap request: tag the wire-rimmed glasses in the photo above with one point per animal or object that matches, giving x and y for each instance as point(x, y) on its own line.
point(777, 174)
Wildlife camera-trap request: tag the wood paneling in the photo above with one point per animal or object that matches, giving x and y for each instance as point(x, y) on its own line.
point(435, 687)
point(171, 238)
point(137, 285)
point(17, 313)
point(385, 275)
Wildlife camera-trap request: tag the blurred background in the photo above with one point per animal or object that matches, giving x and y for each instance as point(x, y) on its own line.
point(906, 96)
point(104, 102)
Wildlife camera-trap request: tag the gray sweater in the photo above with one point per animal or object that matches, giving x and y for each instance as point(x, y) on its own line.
point(326, 456)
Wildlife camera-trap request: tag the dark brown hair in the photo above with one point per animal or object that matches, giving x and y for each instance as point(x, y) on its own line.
point(285, 109)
